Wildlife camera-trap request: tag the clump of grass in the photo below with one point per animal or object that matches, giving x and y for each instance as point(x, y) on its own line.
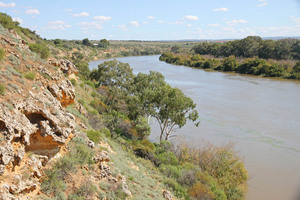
point(30, 76)
point(46, 76)
point(80, 154)
point(2, 53)
point(73, 81)
point(93, 135)
point(41, 49)
point(2, 89)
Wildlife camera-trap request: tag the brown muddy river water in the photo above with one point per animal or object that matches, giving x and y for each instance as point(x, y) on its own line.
point(260, 116)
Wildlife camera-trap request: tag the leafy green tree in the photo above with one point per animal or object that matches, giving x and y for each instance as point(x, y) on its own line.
point(57, 41)
point(229, 63)
point(83, 68)
point(267, 49)
point(172, 110)
point(144, 88)
point(249, 46)
point(113, 73)
point(86, 42)
point(103, 43)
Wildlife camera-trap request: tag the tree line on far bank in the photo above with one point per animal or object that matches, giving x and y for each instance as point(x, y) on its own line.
point(256, 66)
point(253, 46)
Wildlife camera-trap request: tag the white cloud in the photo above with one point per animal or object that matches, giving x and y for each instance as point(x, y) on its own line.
point(227, 32)
point(189, 25)
point(102, 18)
point(134, 23)
point(296, 20)
point(123, 27)
point(262, 0)
point(160, 21)
point(7, 5)
point(82, 14)
point(190, 17)
point(32, 12)
point(214, 25)
point(17, 19)
point(236, 21)
point(91, 25)
point(262, 4)
point(58, 25)
point(146, 22)
point(176, 22)
point(220, 10)
point(150, 17)
point(69, 10)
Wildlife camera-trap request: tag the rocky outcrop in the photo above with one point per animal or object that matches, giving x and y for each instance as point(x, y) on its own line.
point(167, 195)
point(20, 186)
point(65, 65)
point(64, 92)
point(39, 124)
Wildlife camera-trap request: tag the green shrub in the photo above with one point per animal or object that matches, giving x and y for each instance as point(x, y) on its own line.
point(93, 135)
point(73, 81)
point(7, 21)
point(2, 53)
point(80, 152)
point(87, 189)
point(30, 75)
point(41, 49)
point(106, 132)
point(2, 89)
point(178, 190)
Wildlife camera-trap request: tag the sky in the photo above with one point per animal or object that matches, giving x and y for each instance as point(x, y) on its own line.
point(156, 19)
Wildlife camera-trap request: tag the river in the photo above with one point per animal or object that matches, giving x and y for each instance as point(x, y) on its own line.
point(260, 116)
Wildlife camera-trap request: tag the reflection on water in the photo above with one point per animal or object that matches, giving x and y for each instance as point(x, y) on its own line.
point(260, 115)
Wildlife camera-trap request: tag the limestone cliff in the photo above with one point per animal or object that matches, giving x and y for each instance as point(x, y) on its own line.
point(33, 120)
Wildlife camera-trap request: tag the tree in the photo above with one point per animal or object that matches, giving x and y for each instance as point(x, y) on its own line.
point(175, 49)
point(144, 89)
point(57, 41)
point(103, 43)
point(113, 73)
point(229, 63)
point(146, 95)
point(86, 42)
point(249, 46)
point(172, 110)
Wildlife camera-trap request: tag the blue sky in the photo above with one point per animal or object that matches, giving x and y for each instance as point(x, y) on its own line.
point(156, 19)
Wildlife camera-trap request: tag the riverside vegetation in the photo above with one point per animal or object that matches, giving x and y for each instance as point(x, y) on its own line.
point(111, 107)
point(251, 55)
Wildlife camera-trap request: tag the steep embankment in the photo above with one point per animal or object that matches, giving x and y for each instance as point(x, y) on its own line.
point(32, 117)
point(44, 150)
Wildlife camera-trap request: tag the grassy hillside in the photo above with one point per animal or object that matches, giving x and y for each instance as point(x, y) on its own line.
point(105, 153)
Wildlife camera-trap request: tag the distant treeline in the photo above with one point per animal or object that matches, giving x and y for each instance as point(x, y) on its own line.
point(255, 66)
point(252, 46)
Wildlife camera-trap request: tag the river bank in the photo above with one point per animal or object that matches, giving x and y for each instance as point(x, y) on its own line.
point(258, 114)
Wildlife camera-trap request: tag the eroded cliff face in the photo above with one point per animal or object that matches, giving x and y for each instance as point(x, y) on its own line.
point(34, 125)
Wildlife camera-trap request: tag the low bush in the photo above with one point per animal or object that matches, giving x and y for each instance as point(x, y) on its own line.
point(41, 49)
point(73, 81)
point(79, 154)
point(93, 135)
point(30, 75)
point(2, 53)
point(2, 89)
